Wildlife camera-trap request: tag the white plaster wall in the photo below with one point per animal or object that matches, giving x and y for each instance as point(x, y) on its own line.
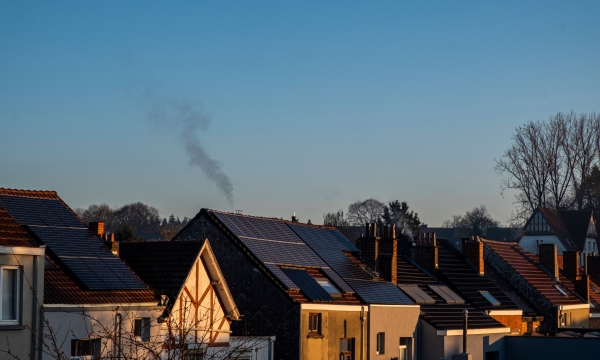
point(527, 242)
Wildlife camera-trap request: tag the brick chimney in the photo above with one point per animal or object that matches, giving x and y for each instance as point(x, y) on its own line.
point(593, 266)
point(473, 250)
point(97, 227)
point(425, 252)
point(380, 251)
point(571, 263)
point(582, 287)
point(548, 259)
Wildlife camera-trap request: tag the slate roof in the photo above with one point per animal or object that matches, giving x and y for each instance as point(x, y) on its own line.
point(452, 264)
point(164, 265)
point(441, 315)
point(12, 234)
point(60, 287)
point(527, 265)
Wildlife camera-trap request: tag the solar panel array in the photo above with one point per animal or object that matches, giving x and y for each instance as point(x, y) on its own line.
point(330, 245)
point(68, 238)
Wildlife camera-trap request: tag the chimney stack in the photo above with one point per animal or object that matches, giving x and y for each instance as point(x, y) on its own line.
point(425, 252)
point(593, 266)
point(548, 259)
point(97, 227)
point(380, 253)
point(473, 250)
point(571, 263)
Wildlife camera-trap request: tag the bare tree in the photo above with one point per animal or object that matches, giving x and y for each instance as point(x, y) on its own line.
point(362, 212)
point(335, 219)
point(475, 222)
point(548, 162)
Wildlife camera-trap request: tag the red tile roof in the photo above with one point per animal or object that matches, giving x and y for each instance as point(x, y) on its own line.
point(30, 193)
point(61, 288)
point(12, 234)
point(526, 265)
point(594, 297)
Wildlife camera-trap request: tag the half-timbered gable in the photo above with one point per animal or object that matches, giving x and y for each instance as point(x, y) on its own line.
point(199, 306)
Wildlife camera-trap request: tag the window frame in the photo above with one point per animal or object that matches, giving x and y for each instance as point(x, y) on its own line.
point(319, 319)
point(143, 334)
point(18, 296)
point(95, 346)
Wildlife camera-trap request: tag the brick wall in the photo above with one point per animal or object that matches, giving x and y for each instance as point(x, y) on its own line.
point(473, 251)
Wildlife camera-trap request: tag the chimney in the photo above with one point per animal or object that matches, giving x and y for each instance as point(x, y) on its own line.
point(582, 287)
point(425, 252)
point(593, 266)
point(548, 259)
point(294, 218)
point(473, 250)
point(380, 253)
point(571, 264)
point(97, 227)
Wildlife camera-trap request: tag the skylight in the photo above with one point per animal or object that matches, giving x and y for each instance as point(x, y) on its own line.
point(489, 297)
point(561, 290)
point(595, 289)
point(328, 286)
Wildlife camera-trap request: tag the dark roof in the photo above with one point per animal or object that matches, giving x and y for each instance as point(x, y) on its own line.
point(570, 226)
point(452, 264)
point(441, 315)
point(332, 247)
point(164, 265)
point(61, 287)
point(527, 266)
point(12, 234)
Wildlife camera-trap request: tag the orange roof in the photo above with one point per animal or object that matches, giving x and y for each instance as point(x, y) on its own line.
point(526, 265)
point(41, 194)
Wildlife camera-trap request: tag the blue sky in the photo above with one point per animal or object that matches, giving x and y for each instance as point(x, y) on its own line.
point(313, 105)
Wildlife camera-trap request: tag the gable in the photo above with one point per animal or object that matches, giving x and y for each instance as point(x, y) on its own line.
point(592, 227)
point(538, 224)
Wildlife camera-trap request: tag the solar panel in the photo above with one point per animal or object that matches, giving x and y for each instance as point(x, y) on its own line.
point(416, 293)
point(287, 282)
point(283, 253)
point(258, 228)
point(379, 292)
point(450, 296)
point(308, 285)
point(82, 252)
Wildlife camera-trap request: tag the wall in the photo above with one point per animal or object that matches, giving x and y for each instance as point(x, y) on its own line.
point(527, 242)
point(512, 321)
point(78, 322)
point(267, 310)
point(430, 345)
point(332, 330)
point(577, 318)
point(396, 322)
point(19, 337)
point(533, 347)
point(477, 345)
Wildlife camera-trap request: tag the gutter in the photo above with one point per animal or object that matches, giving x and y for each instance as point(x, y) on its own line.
point(573, 307)
point(502, 330)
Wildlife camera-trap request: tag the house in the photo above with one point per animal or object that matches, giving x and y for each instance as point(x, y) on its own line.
point(573, 230)
point(200, 306)
point(21, 283)
point(93, 304)
point(436, 276)
point(306, 285)
point(563, 301)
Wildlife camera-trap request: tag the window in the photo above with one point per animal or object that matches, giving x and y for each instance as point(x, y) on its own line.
point(347, 349)
point(314, 323)
point(380, 343)
point(405, 346)
point(489, 297)
point(81, 347)
point(10, 291)
point(563, 319)
point(328, 286)
point(562, 291)
point(142, 329)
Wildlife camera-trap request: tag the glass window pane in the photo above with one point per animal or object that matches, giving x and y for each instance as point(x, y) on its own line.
point(328, 286)
point(9, 294)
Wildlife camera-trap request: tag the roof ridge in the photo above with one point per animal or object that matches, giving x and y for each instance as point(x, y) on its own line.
point(43, 194)
point(266, 218)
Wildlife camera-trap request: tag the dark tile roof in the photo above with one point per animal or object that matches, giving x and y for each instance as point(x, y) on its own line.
point(60, 287)
point(453, 265)
point(164, 265)
point(12, 234)
point(527, 265)
point(570, 226)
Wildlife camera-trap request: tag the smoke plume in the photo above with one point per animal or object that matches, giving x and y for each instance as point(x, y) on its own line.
point(185, 119)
